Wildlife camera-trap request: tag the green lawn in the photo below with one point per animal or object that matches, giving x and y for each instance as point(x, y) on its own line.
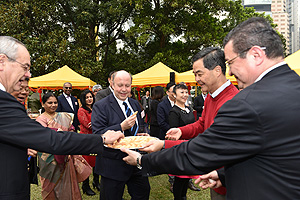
point(159, 190)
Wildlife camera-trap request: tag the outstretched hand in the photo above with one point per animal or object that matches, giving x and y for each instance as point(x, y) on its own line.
point(210, 180)
point(112, 136)
point(173, 134)
point(153, 146)
point(132, 156)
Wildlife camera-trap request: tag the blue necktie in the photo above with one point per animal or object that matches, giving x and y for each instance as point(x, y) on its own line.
point(128, 112)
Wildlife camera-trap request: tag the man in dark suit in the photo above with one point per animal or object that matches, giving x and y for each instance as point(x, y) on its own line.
point(107, 91)
point(68, 103)
point(254, 135)
point(19, 132)
point(199, 104)
point(113, 113)
point(163, 110)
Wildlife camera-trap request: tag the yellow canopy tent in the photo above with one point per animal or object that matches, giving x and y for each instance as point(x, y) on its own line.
point(56, 79)
point(189, 78)
point(158, 74)
point(293, 61)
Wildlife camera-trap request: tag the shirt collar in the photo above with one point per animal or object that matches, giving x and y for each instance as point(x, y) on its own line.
point(220, 89)
point(2, 87)
point(171, 102)
point(268, 70)
point(120, 102)
point(66, 95)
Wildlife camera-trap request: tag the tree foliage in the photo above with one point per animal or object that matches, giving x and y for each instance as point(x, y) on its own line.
point(94, 37)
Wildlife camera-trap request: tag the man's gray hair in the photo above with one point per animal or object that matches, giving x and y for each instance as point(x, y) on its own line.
point(9, 46)
point(96, 87)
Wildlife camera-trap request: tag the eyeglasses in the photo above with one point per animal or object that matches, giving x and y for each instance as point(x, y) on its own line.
point(26, 89)
point(68, 88)
point(26, 67)
point(229, 62)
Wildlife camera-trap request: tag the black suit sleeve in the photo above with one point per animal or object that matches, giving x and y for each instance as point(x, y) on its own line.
point(235, 135)
point(221, 174)
point(18, 129)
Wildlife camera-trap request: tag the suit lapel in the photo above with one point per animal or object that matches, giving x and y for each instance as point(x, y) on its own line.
point(116, 107)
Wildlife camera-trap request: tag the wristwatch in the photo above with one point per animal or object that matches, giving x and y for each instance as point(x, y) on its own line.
point(138, 162)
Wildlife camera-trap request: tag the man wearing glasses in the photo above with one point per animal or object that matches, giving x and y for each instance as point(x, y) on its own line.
point(68, 103)
point(256, 134)
point(19, 132)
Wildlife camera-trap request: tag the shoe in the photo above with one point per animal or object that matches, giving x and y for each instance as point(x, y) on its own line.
point(193, 187)
point(96, 185)
point(86, 188)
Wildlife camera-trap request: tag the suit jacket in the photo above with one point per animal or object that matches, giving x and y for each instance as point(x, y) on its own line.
point(255, 136)
point(102, 94)
point(19, 132)
point(198, 105)
point(107, 115)
point(64, 106)
point(163, 110)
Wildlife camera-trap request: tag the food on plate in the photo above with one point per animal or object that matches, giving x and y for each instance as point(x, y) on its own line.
point(132, 142)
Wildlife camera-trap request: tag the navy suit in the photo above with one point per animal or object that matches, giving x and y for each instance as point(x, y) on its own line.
point(107, 115)
point(19, 132)
point(163, 110)
point(64, 106)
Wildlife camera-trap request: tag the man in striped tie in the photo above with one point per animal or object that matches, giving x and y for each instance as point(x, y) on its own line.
point(117, 112)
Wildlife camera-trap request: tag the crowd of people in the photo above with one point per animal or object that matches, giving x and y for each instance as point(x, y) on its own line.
point(242, 144)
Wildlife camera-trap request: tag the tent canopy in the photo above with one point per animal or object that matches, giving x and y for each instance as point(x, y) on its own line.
point(158, 74)
point(56, 79)
point(189, 78)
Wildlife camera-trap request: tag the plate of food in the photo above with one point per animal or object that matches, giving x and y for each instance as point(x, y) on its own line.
point(131, 142)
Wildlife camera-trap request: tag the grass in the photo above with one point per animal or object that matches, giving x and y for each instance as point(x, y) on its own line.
point(159, 190)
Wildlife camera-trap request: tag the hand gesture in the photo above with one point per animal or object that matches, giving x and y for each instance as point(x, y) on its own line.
point(31, 152)
point(153, 146)
point(132, 156)
point(112, 136)
point(210, 180)
point(173, 134)
point(128, 122)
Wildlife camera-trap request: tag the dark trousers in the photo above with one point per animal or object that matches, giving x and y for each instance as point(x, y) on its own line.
point(138, 188)
point(180, 187)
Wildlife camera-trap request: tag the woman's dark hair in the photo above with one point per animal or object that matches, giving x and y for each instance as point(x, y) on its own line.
point(46, 97)
point(83, 97)
point(179, 86)
point(157, 93)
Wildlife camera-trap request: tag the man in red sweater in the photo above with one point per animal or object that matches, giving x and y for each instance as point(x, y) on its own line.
point(209, 69)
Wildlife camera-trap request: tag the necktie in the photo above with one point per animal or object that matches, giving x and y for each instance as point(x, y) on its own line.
point(128, 112)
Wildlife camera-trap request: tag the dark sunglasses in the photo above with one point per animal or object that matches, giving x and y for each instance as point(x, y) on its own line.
point(68, 88)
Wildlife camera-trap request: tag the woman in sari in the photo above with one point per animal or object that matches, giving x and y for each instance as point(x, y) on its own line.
point(57, 172)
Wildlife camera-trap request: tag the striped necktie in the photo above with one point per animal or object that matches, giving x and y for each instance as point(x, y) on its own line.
point(128, 112)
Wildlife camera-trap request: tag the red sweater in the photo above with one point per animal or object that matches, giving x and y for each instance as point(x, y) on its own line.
point(211, 108)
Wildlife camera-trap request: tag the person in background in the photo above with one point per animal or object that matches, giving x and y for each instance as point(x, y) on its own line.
point(199, 103)
point(21, 96)
point(69, 103)
point(115, 112)
point(87, 100)
point(107, 91)
point(157, 95)
point(19, 132)
point(146, 102)
point(55, 172)
point(96, 88)
point(181, 115)
point(23, 93)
